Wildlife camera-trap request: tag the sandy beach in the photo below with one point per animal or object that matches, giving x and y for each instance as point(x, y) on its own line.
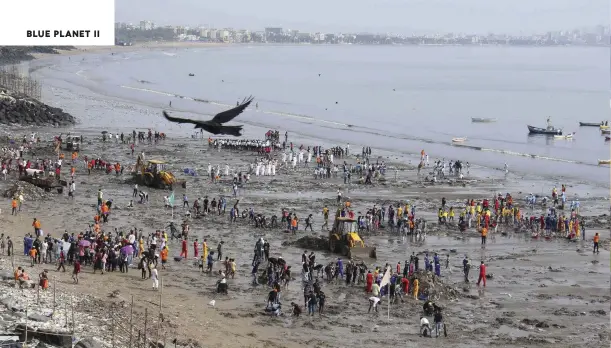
point(542, 292)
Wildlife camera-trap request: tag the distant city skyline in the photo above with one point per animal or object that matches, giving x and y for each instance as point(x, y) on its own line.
point(404, 17)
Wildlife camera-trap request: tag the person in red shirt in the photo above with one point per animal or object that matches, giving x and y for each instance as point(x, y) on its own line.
point(482, 274)
point(405, 285)
point(183, 253)
point(369, 281)
point(398, 267)
point(76, 271)
point(196, 248)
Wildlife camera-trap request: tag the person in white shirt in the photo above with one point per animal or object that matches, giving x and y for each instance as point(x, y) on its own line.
point(373, 303)
point(155, 278)
point(425, 327)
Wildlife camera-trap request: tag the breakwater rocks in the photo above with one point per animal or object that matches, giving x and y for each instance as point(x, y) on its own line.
point(17, 54)
point(25, 111)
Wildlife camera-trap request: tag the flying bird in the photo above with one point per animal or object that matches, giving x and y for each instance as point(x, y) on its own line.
point(215, 125)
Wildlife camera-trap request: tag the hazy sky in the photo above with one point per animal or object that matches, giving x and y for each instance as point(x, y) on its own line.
point(400, 16)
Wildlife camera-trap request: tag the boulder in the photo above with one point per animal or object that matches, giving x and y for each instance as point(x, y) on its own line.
point(38, 317)
point(88, 343)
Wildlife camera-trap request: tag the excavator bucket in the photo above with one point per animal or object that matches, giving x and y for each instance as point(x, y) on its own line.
point(363, 253)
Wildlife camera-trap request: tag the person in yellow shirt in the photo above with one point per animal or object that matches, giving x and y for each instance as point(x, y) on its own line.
point(451, 214)
point(233, 267)
point(416, 287)
point(205, 249)
point(484, 235)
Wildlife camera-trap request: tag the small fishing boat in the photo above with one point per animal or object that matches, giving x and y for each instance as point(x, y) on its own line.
point(482, 120)
point(601, 162)
point(605, 131)
point(565, 137)
point(603, 127)
point(459, 140)
point(191, 74)
point(590, 124)
point(544, 131)
point(607, 138)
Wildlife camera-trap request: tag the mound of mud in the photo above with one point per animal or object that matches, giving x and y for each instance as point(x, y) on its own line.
point(434, 287)
point(29, 191)
point(310, 243)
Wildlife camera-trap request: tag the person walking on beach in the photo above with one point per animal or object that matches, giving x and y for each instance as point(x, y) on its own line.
point(482, 274)
point(62, 260)
point(155, 278)
point(183, 252)
point(596, 239)
point(76, 271)
point(484, 235)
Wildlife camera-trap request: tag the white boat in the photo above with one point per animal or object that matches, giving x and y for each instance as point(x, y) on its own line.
point(604, 162)
point(482, 120)
point(459, 140)
point(565, 137)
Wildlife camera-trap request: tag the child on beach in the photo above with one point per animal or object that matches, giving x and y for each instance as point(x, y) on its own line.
point(76, 271)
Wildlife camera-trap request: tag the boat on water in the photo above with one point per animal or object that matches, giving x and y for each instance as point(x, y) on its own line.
point(605, 131)
point(603, 126)
point(549, 130)
point(607, 138)
point(591, 124)
point(544, 131)
point(482, 120)
point(600, 162)
point(459, 140)
point(565, 137)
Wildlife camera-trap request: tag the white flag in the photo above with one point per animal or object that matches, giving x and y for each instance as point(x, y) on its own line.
point(385, 278)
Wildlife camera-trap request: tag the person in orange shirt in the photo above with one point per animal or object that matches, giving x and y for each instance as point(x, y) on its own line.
point(294, 225)
point(105, 212)
point(14, 206)
point(96, 228)
point(89, 167)
point(36, 225)
point(96, 218)
point(484, 235)
point(596, 239)
point(164, 257)
point(33, 253)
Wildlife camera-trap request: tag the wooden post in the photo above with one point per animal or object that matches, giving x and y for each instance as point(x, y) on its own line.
point(131, 327)
point(160, 303)
point(38, 293)
point(72, 309)
point(112, 326)
point(54, 287)
point(146, 317)
point(26, 325)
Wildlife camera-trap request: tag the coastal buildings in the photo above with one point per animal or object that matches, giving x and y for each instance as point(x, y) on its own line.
point(598, 35)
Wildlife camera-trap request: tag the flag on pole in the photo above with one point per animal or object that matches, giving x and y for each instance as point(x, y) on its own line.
point(171, 199)
point(385, 278)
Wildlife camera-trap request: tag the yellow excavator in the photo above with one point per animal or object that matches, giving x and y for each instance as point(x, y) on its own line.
point(344, 239)
point(154, 174)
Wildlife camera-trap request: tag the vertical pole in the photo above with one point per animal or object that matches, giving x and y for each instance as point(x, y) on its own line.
point(146, 318)
point(66, 313)
point(54, 287)
point(160, 303)
point(38, 293)
point(131, 327)
point(112, 326)
point(72, 310)
point(26, 324)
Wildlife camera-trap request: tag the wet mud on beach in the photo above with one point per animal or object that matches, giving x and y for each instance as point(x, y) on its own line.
point(542, 293)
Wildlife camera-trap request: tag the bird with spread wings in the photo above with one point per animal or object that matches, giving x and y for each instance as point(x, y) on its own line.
point(216, 124)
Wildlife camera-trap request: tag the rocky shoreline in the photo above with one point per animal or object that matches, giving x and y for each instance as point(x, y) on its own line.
point(26, 111)
point(18, 54)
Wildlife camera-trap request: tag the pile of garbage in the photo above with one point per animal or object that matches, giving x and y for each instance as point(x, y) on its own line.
point(434, 287)
point(29, 191)
point(310, 243)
